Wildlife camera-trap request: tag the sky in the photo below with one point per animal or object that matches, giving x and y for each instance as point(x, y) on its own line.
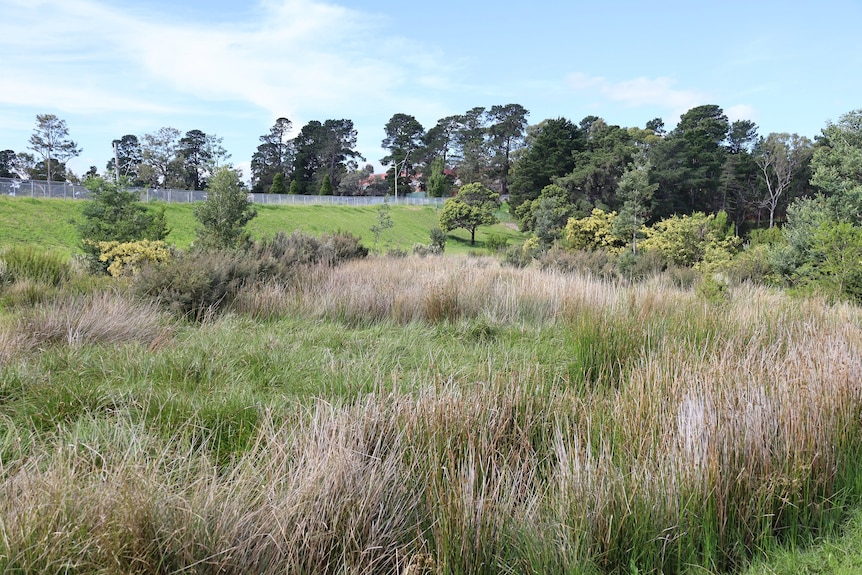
point(232, 67)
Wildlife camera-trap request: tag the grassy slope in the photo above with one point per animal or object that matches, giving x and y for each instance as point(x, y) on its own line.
point(52, 223)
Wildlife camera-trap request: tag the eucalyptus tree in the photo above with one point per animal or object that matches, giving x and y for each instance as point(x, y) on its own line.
point(162, 164)
point(780, 157)
point(8, 160)
point(50, 140)
point(201, 156)
point(338, 154)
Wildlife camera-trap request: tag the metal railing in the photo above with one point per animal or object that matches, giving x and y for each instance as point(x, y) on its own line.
point(69, 191)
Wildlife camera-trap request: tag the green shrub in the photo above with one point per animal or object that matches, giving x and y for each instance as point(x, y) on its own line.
point(523, 255)
point(438, 240)
point(754, 264)
point(496, 242)
point(339, 247)
point(33, 263)
point(197, 284)
point(283, 252)
point(200, 283)
point(712, 288)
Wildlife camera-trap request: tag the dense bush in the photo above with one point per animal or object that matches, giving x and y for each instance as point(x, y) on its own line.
point(116, 214)
point(127, 258)
point(496, 242)
point(199, 283)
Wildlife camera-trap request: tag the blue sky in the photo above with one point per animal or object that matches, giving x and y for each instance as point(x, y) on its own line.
point(231, 67)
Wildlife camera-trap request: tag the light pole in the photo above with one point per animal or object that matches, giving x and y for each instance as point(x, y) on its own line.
point(398, 172)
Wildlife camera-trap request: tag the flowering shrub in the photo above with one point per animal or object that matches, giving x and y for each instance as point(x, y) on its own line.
point(127, 258)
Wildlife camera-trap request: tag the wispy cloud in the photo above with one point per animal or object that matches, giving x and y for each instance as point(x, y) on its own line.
point(640, 92)
point(292, 58)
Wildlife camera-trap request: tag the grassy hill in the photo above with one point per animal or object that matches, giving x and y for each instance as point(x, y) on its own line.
point(53, 223)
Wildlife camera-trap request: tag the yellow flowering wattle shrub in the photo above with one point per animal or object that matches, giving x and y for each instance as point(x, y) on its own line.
point(593, 232)
point(126, 258)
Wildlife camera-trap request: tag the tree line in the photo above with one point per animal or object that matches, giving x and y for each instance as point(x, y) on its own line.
point(549, 172)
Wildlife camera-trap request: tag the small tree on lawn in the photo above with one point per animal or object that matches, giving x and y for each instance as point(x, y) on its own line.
point(225, 212)
point(473, 206)
point(383, 223)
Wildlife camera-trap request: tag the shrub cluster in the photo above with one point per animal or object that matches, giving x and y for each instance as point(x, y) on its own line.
point(197, 284)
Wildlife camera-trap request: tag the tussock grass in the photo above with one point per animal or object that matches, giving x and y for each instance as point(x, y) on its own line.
point(98, 317)
point(442, 416)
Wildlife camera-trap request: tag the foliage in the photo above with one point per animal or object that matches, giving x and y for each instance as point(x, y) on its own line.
point(780, 158)
point(473, 206)
point(196, 285)
point(127, 258)
point(599, 263)
point(837, 249)
point(496, 242)
point(273, 156)
point(326, 186)
point(636, 193)
point(524, 254)
point(549, 214)
point(50, 139)
point(837, 165)
point(278, 186)
point(438, 184)
point(438, 240)
point(697, 240)
point(383, 222)
point(114, 214)
point(225, 213)
point(199, 284)
point(593, 232)
point(162, 166)
point(549, 154)
point(404, 136)
point(687, 163)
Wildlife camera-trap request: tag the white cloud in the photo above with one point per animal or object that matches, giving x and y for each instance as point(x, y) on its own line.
point(640, 92)
point(741, 112)
point(294, 58)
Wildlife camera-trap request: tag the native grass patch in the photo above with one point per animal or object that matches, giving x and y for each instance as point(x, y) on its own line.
point(426, 415)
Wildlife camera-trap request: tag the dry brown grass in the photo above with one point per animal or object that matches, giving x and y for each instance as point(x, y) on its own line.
point(731, 425)
point(95, 318)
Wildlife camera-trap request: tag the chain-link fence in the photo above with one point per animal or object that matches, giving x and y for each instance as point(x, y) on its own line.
point(68, 191)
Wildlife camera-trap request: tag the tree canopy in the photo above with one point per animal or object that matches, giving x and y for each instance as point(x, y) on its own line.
point(474, 205)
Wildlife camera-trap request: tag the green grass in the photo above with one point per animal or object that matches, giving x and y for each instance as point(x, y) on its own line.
point(49, 223)
point(447, 413)
point(53, 223)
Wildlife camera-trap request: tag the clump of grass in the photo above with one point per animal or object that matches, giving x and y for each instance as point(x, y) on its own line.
point(95, 318)
point(33, 263)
